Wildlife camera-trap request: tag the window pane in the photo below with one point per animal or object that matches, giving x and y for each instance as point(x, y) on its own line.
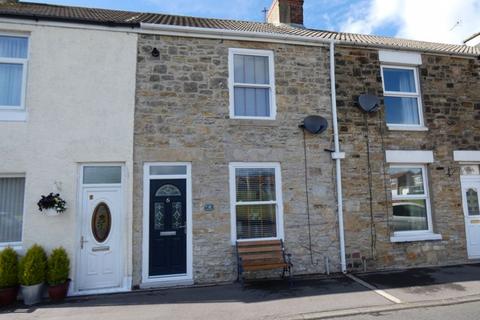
point(410, 215)
point(10, 84)
point(13, 47)
point(406, 181)
point(256, 221)
point(165, 170)
point(12, 192)
point(255, 184)
point(252, 102)
point(472, 202)
point(102, 174)
point(402, 80)
point(251, 69)
point(401, 110)
point(470, 170)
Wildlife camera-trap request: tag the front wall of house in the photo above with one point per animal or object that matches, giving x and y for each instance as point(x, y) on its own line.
point(451, 106)
point(80, 104)
point(182, 114)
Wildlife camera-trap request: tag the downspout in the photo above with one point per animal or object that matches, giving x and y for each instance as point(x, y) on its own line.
point(337, 155)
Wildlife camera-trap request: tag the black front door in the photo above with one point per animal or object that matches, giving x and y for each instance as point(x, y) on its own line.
point(168, 234)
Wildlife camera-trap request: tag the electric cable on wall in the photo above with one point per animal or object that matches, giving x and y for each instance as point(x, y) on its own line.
point(373, 233)
point(307, 199)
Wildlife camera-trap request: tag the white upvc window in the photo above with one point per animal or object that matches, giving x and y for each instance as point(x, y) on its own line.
point(403, 102)
point(13, 76)
point(412, 217)
point(251, 84)
point(12, 198)
point(256, 201)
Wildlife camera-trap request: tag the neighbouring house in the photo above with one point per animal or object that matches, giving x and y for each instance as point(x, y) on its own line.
point(204, 116)
point(67, 97)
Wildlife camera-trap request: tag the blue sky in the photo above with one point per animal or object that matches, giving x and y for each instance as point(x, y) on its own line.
point(448, 21)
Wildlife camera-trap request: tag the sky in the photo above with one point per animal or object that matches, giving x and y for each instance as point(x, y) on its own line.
point(447, 21)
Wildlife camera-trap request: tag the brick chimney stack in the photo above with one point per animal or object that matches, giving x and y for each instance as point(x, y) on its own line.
point(286, 12)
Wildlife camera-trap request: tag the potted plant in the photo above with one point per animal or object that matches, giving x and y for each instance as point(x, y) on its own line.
point(32, 274)
point(8, 276)
point(52, 205)
point(57, 274)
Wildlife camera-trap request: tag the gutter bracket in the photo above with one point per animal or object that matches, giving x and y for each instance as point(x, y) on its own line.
point(338, 155)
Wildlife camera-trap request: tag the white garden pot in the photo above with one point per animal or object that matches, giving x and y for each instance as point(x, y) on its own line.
point(51, 212)
point(32, 294)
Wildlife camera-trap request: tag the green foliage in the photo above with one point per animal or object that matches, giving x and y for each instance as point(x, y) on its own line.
point(8, 268)
point(58, 267)
point(33, 266)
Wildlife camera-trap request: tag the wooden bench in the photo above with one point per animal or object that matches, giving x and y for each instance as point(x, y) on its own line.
point(263, 255)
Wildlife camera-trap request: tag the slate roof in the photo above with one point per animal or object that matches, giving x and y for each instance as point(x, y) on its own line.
point(36, 11)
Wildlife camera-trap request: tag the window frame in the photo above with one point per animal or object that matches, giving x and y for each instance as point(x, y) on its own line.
point(232, 84)
point(17, 245)
point(425, 196)
point(24, 63)
point(399, 94)
point(278, 195)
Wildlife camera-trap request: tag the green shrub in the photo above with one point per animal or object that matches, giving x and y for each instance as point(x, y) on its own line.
point(33, 266)
point(8, 268)
point(58, 267)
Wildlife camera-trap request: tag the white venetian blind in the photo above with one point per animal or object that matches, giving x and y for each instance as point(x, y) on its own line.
point(12, 192)
point(252, 86)
point(13, 57)
point(256, 204)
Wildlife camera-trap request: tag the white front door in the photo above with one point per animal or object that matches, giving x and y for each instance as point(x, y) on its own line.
point(101, 264)
point(470, 198)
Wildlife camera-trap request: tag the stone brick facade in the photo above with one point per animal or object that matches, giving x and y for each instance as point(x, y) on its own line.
point(451, 106)
point(182, 114)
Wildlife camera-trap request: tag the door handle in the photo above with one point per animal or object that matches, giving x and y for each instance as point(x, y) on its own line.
point(82, 241)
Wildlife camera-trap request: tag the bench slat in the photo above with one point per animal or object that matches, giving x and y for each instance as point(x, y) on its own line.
point(260, 256)
point(263, 262)
point(265, 267)
point(259, 243)
point(259, 249)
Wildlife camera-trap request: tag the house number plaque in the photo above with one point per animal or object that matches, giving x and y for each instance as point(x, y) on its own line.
point(209, 207)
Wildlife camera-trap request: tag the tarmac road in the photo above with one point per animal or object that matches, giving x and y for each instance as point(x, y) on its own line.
point(462, 311)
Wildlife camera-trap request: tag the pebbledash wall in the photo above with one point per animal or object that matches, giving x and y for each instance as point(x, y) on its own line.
point(182, 115)
point(451, 108)
point(79, 107)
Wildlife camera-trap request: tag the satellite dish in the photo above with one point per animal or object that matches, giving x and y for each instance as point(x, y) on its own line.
point(369, 102)
point(314, 124)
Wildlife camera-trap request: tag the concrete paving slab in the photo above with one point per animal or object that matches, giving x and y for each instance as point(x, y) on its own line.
point(428, 283)
point(263, 300)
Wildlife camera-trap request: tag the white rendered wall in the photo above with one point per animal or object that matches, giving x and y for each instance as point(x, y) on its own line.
point(80, 102)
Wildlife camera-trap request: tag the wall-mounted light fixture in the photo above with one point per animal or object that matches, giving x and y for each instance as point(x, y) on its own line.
point(155, 53)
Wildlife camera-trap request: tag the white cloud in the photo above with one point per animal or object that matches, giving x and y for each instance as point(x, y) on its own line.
point(428, 20)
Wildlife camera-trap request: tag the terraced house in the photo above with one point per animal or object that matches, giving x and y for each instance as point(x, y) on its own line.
point(190, 135)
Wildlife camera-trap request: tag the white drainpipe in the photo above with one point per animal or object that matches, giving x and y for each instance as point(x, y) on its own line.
point(337, 156)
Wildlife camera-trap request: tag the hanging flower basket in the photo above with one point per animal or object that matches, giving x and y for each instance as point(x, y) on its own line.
point(52, 205)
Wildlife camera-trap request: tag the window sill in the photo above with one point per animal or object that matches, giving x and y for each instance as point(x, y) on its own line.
point(264, 122)
point(17, 247)
point(13, 115)
point(416, 237)
point(393, 127)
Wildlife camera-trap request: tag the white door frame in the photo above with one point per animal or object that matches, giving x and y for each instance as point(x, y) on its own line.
point(166, 280)
point(463, 180)
point(126, 282)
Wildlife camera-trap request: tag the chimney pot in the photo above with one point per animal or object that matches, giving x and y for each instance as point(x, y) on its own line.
point(286, 12)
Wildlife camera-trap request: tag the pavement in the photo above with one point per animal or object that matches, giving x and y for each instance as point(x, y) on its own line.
point(320, 298)
point(464, 311)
